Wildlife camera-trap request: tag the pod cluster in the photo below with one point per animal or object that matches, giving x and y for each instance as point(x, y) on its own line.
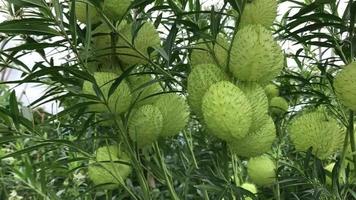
point(226, 92)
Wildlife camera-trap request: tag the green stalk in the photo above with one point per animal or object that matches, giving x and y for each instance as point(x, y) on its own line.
point(190, 147)
point(167, 176)
point(352, 137)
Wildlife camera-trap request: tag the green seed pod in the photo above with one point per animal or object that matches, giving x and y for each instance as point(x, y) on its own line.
point(316, 130)
point(107, 170)
point(102, 44)
point(226, 111)
point(278, 106)
point(209, 53)
point(255, 55)
point(199, 81)
point(262, 170)
point(118, 102)
point(145, 125)
point(258, 101)
point(175, 112)
point(116, 9)
point(345, 86)
point(271, 91)
point(147, 36)
point(81, 12)
point(251, 188)
point(257, 142)
point(144, 89)
point(261, 12)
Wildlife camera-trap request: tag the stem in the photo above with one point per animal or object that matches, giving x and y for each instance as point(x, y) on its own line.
point(190, 147)
point(352, 137)
point(167, 176)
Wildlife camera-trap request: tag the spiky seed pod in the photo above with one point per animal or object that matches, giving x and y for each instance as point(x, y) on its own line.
point(261, 170)
point(345, 86)
point(147, 36)
point(317, 130)
point(145, 125)
point(199, 81)
point(211, 53)
point(116, 9)
point(81, 12)
point(258, 101)
point(257, 142)
point(226, 111)
point(261, 12)
point(144, 89)
point(271, 91)
point(175, 112)
point(107, 170)
point(278, 106)
point(118, 102)
point(255, 55)
point(102, 44)
point(251, 188)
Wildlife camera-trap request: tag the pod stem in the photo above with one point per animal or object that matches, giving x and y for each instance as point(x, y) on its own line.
point(351, 132)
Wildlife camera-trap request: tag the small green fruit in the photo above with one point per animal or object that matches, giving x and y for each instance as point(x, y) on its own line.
point(118, 102)
point(262, 170)
point(257, 142)
point(258, 101)
point(261, 12)
point(116, 9)
point(145, 125)
point(317, 130)
point(345, 86)
point(226, 111)
point(144, 89)
point(147, 36)
point(255, 55)
point(278, 106)
point(211, 53)
point(81, 12)
point(251, 188)
point(175, 112)
point(271, 91)
point(107, 170)
point(199, 81)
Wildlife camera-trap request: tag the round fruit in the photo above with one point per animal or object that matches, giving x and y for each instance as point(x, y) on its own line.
point(257, 142)
point(107, 170)
point(116, 9)
point(262, 170)
point(258, 101)
point(251, 188)
point(261, 12)
point(175, 112)
point(81, 12)
point(255, 56)
point(102, 44)
point(278, 106)
point(345, 86)
point(211, 53)
point(147, 36)
point(226, 111)
point(145, 125)
point(199, 81)
point(317, 130)
point(118, 102)
point(271, 91)
point(144, 89)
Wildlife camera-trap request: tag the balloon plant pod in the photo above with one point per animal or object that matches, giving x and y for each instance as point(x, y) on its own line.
point(226, 111)
point(118, 102)
point(145, 124)
point(316, 130)
point(111, 168)
point(345, 86)
point(199, 80)
point(175, 113)
point(255, 55)
point(262, 170)
point(261, 12)
point(257, 142)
